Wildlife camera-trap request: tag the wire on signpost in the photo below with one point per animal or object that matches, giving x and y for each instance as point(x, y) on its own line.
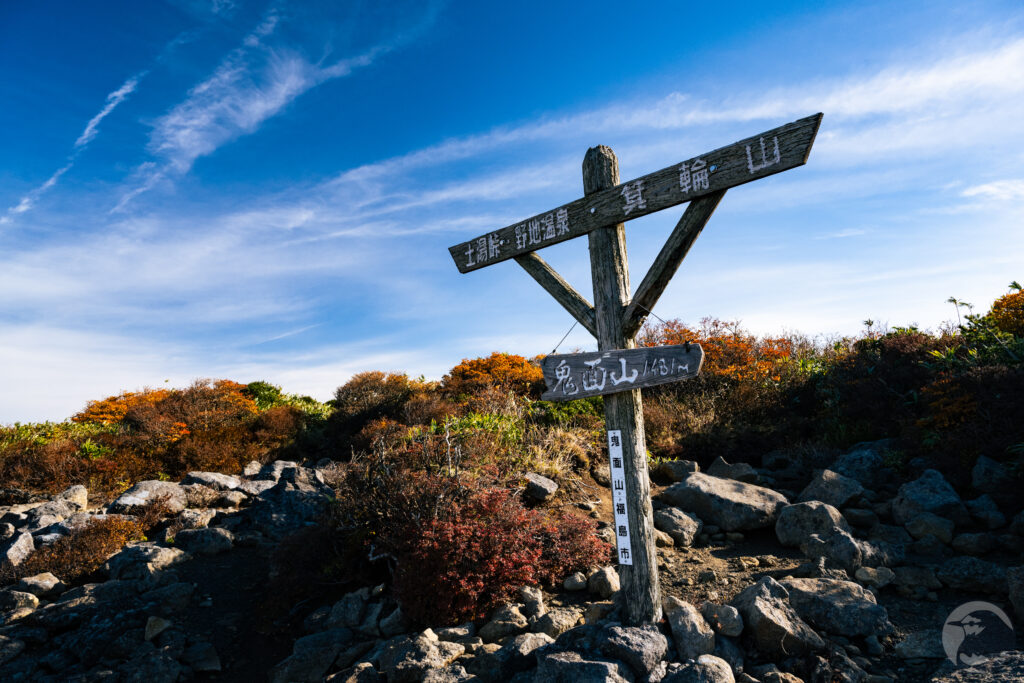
point(564, 338)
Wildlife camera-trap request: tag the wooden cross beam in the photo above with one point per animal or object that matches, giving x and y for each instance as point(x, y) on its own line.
point(615, 317)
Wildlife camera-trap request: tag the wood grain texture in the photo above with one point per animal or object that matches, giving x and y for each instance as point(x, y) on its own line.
point(562, 291)
point(667, 263)
point(726, 167)
point(599, 373)
point(623, 411)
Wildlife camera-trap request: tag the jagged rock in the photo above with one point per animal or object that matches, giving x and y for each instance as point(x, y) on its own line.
point(514, 656)
point(570, 667)
point(841, 607)
point(230, 499)
point(921, 645)
point(453, 673)
point(213, 480)
point(865, 463)
point(974, 543)
point(929, 493)
point(408, 659)
point(690, 632)
point(724, 619)
point(879, 577)
point(1015, 585)
point(362, 672)
point(311, 657)
point(740, 471)
point(927, 523)
point(532, 600)
point(171, 598)
point(274, 470)
point(887, 533)
point(459, 634)
point(394, 624)
point(44, 585)
point(840, 549)
point(861, 518)
point(984, 510)
point(730, 652)
point(198, 496)
point(16, 600)
point(604, 582)
point(596, 611)
point(155, 626)
point(10, 648)
point(202, 656)
point(832, 488)
point(370, 626)
point(729, 504)
point(256, 487)
point(150, 668)
point(557, 621)
point(142, 560)
point(838, 668)
point(706, 669)
point(297, 499)
point(989, 476)
point(507, 621)
point(209, 541)
point(641, 647)
point(349, 610)
point(681, 526)
point(997, 668)
point(797, 522)
point(145, 492)
point(774, 626)
point(575, 582)
point(676, 470)
point(663, 540)
point(17, 550)
point(539, 487)
point(972, 574)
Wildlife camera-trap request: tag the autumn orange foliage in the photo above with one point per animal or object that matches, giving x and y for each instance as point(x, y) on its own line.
point(1008, 313)
point(111, 410)
point(504, 371)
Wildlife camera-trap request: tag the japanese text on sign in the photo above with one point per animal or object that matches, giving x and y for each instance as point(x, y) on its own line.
point(618, 476)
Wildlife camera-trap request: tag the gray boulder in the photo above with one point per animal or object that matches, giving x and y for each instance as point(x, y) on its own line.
point(557, 621)
point(998, 667)
point(676, 470)
point(841, 607)
point(926, 524)
point(208, 541)
point(16, 550)
point(604, 582)
point(775, 628)
point(740, 471)
point(143, 560)
point(929, 493)
point(145, 493)
point(213, 480)
point(724, 619)
point(984, 510)
point(706, 669)
point(408, 659)
point(571, 667)
point(311, 657)
point(865, 463)
point(796, 523)
point(514, 656)
point(840, 549)
point(44, 585)
point(692, 634)
point(506, 621)
point(728, 504)
point(974, 543)
point(989, 476)
point(833, 488)
point(641, 647)
point(973, 575)
point(681, 526)
point(539, 487)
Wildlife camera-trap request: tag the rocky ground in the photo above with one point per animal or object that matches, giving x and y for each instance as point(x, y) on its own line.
point(811, 570)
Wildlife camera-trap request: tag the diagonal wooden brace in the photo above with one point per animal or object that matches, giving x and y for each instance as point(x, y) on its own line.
point(556, 286)
point(664, 267)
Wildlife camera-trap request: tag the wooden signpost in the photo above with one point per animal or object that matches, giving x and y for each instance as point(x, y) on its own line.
point(615, 317)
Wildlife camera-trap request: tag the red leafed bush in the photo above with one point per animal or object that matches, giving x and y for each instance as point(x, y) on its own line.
point(461, 566)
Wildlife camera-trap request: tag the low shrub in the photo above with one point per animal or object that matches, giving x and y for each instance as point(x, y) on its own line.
point(506, 372)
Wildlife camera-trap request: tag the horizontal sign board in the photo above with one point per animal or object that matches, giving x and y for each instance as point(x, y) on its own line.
point(773, 151)
point(581, 375)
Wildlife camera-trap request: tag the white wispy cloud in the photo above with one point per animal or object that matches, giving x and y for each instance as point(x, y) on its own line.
point(91, 129)
point(1001, 190)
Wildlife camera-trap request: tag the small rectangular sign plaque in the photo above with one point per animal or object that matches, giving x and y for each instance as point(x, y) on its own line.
point(581, 375)
point(618, 479)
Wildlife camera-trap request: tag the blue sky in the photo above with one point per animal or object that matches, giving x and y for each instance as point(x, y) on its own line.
point(267, 190)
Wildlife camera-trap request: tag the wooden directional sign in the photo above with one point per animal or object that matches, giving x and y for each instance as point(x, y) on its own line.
point(581, 375)
point(618, 369)
point(770, 152)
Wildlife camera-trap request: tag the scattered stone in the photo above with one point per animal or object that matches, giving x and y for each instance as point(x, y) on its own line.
point(311, 656)
point(604, 582)
point(864, 462)
point(202, 656)
point(724, 619)
point(796, 523)
point(349, 610)
point(44, 585)
point(663, 540)
point(16, 600)
point(394, 624)
point(996, 668)
point(926, 524)
point(841, 607)
point(565, 667)
point(840, 549)
point(507, 621)
point(988, 475)
point(974, 543)
point(576, 582)
point(602, 474)
point(832, 488)
point(209, 541)
point(676, 470)
point(513, 657)
point(692, 634)
point(861, 518)
point(539, 487)
point(641, 647)
point(10, 648)
point(775, 627)
point(597, 611)
point(729, 504)
point(921, 645)
point(557, 621)
point(230, 499)
point(408, 659)
point(929, 493)
point(974, 575)
point(143, 560)
point(984, 510)
point(16, 551)
point(706, 669)
point(740, 471)
point(155, 626)
point(681, 526)
point(876, 577)
point(532, 600)
point(145, 492)
point(213, 480)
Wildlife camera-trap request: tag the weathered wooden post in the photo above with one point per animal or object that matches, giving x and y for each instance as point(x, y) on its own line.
point(623, 411)
point(615, 317)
